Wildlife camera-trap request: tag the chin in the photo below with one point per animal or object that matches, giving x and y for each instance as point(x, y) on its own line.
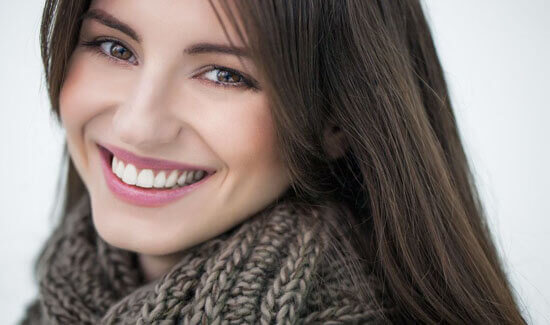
point(126, 231)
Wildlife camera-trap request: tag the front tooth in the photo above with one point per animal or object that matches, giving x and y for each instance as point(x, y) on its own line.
point(120, 169)
point(160, 180)
point(172, 179)
point(130, 175)
point(145, 178)
point(114, 164)
point(181, 179)
point(189, 179)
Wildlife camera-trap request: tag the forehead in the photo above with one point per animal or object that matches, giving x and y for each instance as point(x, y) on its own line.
point(192, 20)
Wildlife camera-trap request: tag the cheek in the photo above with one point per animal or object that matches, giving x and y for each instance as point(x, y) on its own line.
point(249, 139)
point(85, 94)
point(89, 88)
point(69, 105)
point(244, 138)
point(75, 110)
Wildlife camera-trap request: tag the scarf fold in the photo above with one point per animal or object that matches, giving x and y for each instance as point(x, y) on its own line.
point(274, 268)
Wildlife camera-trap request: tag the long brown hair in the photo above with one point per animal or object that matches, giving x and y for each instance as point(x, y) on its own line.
point(368, 69)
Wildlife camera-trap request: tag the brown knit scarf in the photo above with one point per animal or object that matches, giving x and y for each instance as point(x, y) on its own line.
point(273, 268)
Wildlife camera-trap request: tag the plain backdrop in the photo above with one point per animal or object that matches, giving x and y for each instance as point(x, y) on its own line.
point(495, 55)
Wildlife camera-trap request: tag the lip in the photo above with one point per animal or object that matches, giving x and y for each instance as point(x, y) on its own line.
point(150, 163)
point(148, 197)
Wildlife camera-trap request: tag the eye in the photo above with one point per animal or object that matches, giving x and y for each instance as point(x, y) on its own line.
point(116, 50)
point(218, 75)
point(112, 49)
point(226, 77)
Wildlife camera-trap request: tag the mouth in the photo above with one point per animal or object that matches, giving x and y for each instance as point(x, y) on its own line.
point(148, 187)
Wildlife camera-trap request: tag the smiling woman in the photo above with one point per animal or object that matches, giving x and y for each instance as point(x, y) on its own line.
point(162, 106)
point(259, 162)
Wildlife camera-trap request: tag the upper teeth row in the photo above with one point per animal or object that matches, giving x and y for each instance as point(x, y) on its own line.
point(146, 178)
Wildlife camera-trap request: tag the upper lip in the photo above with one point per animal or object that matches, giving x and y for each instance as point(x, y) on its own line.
point(148, 162)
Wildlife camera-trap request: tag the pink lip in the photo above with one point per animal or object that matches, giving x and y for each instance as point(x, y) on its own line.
point(148, 197)
point(151, 163)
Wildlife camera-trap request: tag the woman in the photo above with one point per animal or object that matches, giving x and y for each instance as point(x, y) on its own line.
point(260, 162)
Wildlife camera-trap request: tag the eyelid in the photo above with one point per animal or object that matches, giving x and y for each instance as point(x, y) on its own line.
point(246, 82)
point(96, 43)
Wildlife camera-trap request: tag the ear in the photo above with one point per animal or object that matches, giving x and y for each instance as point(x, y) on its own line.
point(335, 143)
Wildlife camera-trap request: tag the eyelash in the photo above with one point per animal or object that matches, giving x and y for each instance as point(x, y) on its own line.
point(244, 82)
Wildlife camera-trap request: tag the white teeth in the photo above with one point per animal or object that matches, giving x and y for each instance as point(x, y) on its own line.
point(160, 180)
point(181, 179)
point(189, 178)
point(119, 169)
point(130, 175)
point(172, 179)
point(199, 174)
point(145, 178)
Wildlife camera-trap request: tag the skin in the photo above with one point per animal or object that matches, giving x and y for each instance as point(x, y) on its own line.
point(166, 105)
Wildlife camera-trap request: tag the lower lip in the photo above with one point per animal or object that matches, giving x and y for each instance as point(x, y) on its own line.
point(141, 196)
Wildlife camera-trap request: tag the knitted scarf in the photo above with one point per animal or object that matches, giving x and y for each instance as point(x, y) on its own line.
point(274, 268)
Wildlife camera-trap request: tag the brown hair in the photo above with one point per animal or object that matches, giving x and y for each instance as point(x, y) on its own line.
point(370, 70)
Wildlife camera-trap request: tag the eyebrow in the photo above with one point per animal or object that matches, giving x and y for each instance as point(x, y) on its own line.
point(110, 21)
point(198, 48)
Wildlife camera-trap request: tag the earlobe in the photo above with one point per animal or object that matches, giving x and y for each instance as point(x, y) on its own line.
point(335, 143)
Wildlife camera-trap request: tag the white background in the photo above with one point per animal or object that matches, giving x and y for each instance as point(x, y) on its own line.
point(495, 55)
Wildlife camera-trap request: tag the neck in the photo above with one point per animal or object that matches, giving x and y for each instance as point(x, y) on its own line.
point(154, 266)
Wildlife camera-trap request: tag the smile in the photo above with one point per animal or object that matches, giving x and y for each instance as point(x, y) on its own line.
point(148, 186)
point(148, 178)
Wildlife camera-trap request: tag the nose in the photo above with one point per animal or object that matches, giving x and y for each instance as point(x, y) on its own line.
point(145, 119)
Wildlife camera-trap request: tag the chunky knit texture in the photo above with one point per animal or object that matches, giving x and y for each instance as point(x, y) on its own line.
point(274, 268)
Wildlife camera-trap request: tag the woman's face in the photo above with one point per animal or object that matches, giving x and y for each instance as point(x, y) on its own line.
point(147, 77)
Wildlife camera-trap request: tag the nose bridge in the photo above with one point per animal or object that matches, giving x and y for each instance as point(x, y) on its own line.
point(144, 118)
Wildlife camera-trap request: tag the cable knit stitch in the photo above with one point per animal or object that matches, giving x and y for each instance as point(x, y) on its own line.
point(270, 269)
